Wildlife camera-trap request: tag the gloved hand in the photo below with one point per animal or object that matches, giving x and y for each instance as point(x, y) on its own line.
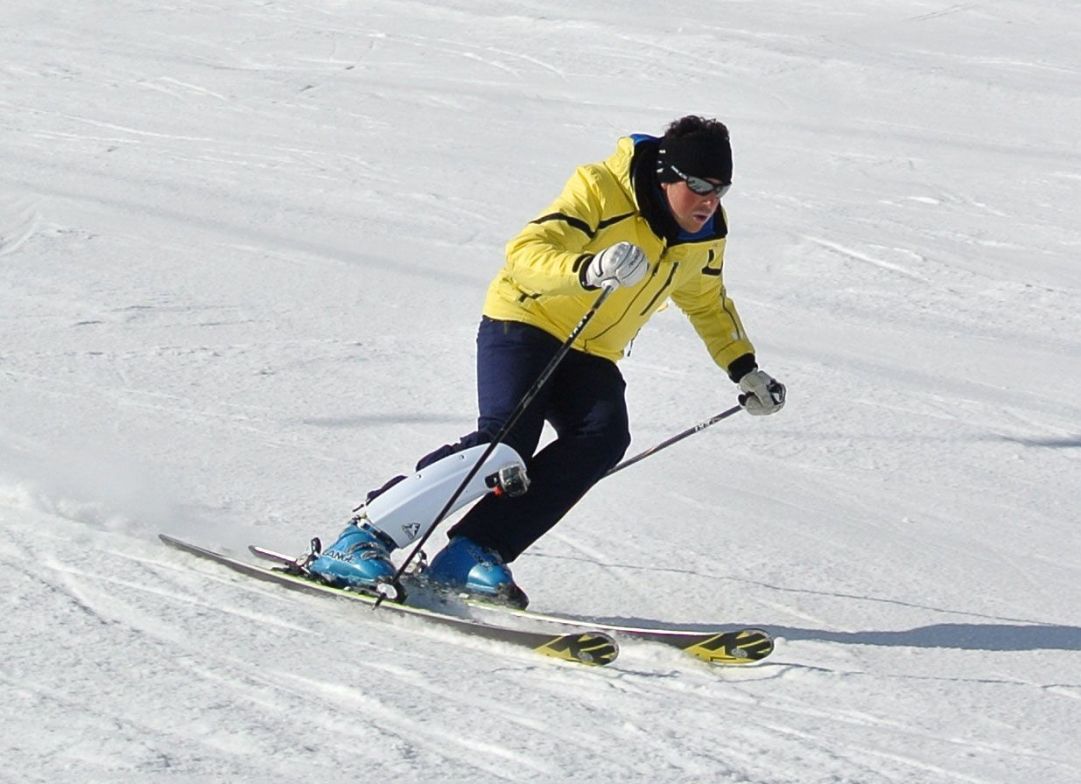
point(622, 264)
point(763, 394)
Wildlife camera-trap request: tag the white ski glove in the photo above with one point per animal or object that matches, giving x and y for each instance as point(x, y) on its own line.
point(763, 393)
point(622, 264)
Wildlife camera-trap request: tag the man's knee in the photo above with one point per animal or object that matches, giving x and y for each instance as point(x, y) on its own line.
point(608, 447)
point(620, 442)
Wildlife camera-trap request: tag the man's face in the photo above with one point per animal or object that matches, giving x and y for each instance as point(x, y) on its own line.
point(690, 210)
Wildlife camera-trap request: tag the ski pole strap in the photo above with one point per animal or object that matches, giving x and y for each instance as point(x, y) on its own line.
point(676, 438)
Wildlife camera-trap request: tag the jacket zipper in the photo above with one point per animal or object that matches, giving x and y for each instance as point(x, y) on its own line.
point(671, 274)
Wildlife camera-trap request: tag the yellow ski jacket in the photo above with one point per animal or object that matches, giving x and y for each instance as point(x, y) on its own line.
point(604, 203)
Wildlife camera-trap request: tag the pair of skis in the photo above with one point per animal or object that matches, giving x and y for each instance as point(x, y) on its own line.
point(569, 639)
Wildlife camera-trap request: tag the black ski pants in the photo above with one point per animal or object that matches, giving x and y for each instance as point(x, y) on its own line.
point(583, 401)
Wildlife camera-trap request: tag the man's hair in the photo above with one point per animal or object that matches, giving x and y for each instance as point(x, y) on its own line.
point(693, 145)
point(693, 125)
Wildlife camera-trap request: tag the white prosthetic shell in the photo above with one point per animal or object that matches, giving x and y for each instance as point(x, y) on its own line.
point(407, 510)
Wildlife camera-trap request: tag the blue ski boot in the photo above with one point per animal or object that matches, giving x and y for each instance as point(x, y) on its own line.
point(466, 567)
point(360, 559)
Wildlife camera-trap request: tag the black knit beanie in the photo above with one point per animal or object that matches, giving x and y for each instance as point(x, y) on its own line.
point(707, 155)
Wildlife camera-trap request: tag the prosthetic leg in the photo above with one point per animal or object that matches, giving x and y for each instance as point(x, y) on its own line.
point(360, 558)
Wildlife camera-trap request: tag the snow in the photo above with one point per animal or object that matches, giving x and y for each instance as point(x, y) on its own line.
point(243, 248)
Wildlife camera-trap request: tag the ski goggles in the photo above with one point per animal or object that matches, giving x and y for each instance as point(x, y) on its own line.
point(700, 186)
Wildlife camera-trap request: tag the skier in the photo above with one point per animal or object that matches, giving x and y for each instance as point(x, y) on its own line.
point(647, 222)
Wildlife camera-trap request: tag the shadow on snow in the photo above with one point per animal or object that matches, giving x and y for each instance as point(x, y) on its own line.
point(963, 636)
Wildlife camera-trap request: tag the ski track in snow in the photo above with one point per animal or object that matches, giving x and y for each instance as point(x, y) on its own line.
point(242, 252)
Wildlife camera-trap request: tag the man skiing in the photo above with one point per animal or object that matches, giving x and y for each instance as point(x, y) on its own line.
point(646, 222)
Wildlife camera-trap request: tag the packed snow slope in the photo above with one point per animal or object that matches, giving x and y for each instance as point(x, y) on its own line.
point(243, 249)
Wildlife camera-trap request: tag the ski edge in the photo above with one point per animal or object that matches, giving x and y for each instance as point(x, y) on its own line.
point(737, 646)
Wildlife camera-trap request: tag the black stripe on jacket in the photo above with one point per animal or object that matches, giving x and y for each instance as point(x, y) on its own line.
point(580, 224)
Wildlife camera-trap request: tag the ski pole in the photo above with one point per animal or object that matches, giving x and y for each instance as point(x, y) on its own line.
point(690, 431)
point(512, 420)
